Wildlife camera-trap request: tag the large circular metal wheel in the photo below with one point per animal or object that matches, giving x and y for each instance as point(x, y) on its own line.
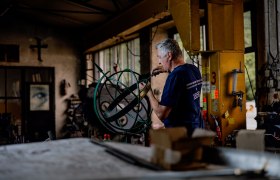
point(120, 105)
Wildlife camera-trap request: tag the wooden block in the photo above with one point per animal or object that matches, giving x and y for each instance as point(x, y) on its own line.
point(173, 150)
point(165, 137)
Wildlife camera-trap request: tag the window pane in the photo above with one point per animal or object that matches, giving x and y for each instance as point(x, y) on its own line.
point(2, 106)
point(107, 60)
point(250, 82)
point(14, 107)
point(185, 54)
point(89, 69)
point(124, 58)
point(191, 60)
point(101, 63)
point(250, 79)
point(137, 55)
point(2, 82)
point(203, 38)
point(13, 82)
point(247, 29)
point(9, 53)
point(118, 58)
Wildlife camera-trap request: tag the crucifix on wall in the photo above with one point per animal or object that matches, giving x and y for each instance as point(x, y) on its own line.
point(39, 46)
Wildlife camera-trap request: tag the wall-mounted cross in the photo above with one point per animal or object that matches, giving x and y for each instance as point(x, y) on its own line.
point(39, 46)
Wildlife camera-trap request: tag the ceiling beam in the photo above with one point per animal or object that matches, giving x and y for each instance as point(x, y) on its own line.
point(57, 10)
point(141, 12)
point(116, 4)
point(56, 14)
point(89, 6)
point(5, 10)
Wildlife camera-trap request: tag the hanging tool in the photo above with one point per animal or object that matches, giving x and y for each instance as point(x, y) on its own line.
point(218, 129)
point(238, 95)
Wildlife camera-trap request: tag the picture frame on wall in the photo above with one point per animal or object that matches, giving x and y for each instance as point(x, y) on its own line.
point(39, 97)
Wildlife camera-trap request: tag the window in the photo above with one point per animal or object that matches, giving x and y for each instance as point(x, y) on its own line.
point(187, 57)
point(9, 53)
point(250, 70)
point(247, 29)
point(111, 60)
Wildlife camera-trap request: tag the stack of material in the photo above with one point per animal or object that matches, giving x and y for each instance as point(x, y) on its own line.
point(173, 150)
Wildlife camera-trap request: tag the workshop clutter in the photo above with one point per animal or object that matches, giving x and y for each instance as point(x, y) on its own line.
point(76, 123)
point(173, 150)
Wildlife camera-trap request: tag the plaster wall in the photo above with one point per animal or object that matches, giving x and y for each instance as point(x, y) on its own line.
point(62, 54)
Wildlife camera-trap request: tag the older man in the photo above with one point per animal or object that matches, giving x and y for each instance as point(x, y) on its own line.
point(180, 102)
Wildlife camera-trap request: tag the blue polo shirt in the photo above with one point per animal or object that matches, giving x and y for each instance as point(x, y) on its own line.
point(181, 92)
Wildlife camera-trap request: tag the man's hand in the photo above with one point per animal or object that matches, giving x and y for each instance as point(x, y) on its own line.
point(142, 85)
point(145, 88)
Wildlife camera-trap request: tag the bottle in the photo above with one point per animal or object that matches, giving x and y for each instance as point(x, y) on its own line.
point(106, 137)
point(218, 131)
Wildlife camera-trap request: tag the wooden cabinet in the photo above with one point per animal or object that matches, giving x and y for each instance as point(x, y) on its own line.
point(20, 123)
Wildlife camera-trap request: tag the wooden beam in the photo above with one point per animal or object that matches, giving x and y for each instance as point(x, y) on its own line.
point(186, 16)
point(136, 15)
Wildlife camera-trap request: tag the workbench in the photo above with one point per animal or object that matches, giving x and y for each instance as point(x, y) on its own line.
point(79, 159)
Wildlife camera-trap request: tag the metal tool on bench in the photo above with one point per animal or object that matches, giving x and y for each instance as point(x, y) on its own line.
point(127, 157)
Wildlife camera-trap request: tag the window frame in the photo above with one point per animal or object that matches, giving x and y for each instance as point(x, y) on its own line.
point(125, 55)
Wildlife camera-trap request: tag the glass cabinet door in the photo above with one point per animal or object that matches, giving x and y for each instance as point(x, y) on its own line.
point(10, 105)
point(13, 82)
point(15, 109)
point(18, 122)
point(2, 83)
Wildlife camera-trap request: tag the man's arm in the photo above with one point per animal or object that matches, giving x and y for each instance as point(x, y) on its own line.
point(161, 111)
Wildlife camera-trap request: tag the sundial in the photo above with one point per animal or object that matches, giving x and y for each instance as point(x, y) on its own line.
point(120, 104)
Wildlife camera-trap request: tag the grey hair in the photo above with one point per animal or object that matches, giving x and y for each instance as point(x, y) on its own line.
point(170, 45)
